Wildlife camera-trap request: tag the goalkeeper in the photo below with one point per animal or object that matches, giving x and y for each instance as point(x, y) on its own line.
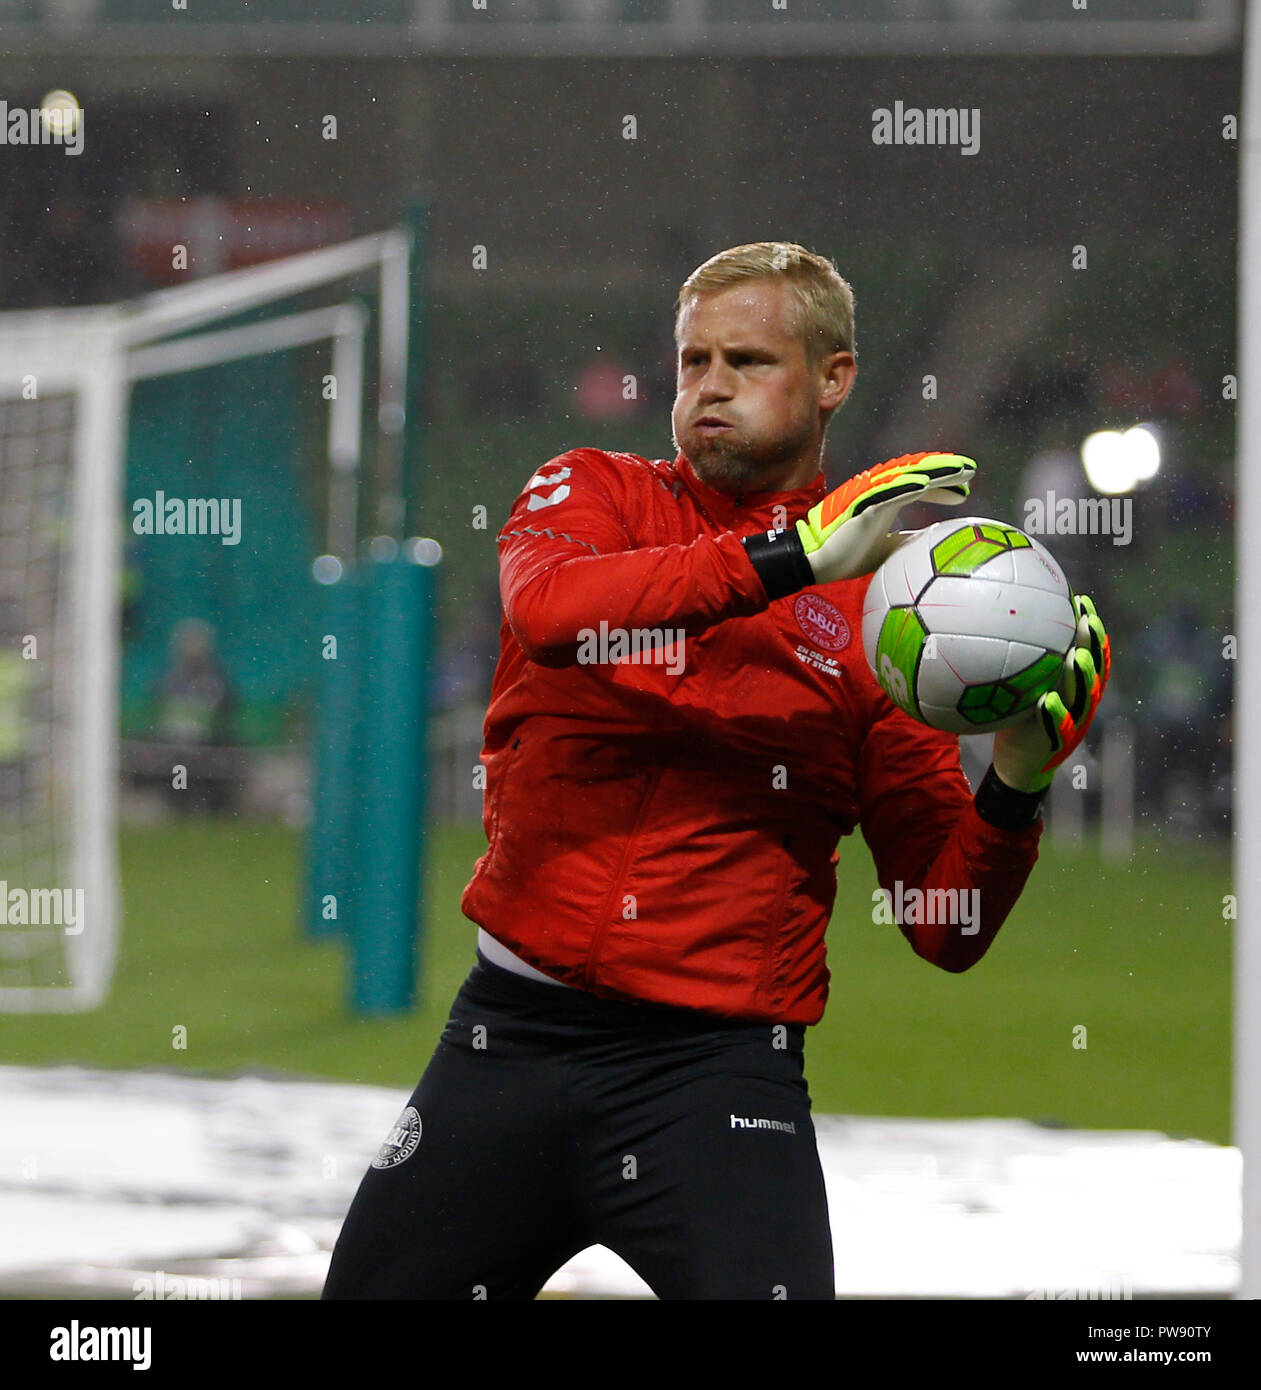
point(681, 728)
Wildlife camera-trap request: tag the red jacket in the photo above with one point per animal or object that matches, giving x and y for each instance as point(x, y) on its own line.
point(672, 837)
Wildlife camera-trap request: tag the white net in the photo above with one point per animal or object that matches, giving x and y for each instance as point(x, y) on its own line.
point(36, 681)
point(64, 402)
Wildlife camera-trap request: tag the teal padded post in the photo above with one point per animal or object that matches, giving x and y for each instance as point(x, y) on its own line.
point(397, 633)
point(328, 870)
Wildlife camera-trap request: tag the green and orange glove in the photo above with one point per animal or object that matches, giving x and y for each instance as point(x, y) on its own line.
point(1027, 753)
point(849, 533)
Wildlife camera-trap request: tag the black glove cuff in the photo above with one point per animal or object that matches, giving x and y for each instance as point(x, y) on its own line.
point(780, 561)
point(1003, 806)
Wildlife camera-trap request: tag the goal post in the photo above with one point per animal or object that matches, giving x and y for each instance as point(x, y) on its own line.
point(63, 392)
point(1246, 1100)
point(65, 404)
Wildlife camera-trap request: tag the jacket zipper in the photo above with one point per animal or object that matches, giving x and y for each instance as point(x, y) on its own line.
point(493, 838)
point(597, 938)
point(778, 918)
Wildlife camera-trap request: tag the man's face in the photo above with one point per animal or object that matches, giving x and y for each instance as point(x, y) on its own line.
point(742, 362)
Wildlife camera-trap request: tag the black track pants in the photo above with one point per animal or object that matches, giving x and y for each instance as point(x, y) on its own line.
point(549, 1120)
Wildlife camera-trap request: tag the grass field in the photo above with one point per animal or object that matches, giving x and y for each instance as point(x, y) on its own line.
point(1138, 956)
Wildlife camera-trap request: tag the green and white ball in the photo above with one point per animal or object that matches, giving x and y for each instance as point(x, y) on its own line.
point(967, 624)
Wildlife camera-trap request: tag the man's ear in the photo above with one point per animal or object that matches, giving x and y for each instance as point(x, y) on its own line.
point(839, 371)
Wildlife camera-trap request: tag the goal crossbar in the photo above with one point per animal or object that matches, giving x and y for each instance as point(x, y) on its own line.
point(94, 355)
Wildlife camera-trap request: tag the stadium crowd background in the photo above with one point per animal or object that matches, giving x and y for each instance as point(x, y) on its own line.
point(963, 270)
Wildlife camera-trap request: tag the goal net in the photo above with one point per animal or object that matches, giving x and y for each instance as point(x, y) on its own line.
point(65, 396)
point(61, 395)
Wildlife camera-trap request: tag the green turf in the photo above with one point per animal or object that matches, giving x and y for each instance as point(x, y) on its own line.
point(1139, 957)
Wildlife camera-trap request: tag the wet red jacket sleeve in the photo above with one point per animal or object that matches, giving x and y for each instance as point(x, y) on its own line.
point(919, 820)
point(567, 561)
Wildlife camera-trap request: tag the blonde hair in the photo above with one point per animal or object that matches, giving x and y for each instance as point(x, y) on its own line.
point(825, 301)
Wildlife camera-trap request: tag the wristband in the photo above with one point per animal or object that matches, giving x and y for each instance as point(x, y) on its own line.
point(1000, 805)
point(780, 561)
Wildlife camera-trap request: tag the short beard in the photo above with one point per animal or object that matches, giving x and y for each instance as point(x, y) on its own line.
point(729, 465)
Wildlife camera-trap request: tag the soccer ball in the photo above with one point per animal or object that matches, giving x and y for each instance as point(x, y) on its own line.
point(967, 624)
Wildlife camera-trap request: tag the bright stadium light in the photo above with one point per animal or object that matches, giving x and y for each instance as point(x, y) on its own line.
point(60, 113)
point(1103, 458)
point(1144, 449)
point(1117, 462)
point(423, 550)
point(327, 569)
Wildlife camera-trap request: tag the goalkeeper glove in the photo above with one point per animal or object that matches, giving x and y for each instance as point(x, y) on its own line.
point(1027, 753)
point(847, 534)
